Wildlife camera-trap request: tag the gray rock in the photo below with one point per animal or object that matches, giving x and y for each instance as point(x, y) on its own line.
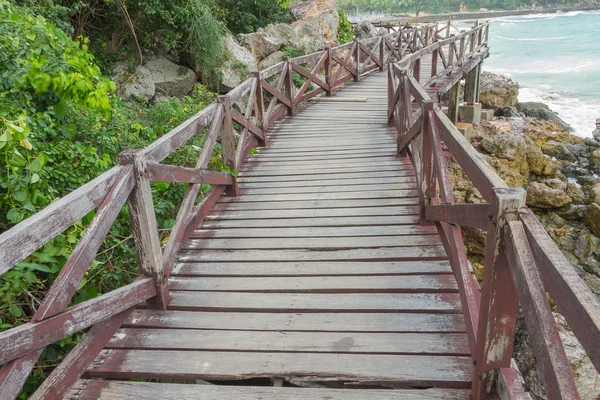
point(260, 44)
point(238, 66)
point(271, 60)
point(365, 30)
point(596, 133)
point(542, 111)
point(496, 91)
point(317, 18)
point(543, 196)
point(158, 76)
point(591, 216)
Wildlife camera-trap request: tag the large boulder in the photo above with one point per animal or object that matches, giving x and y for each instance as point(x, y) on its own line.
point(542, 111)
point(158, 76)
point(541, 195)
point(591, 217)
point(271, 60)
point(313, 14)
point(238, 65)
point(496, 91)
point(260, 44)
point(365, 30)
point(596, 133)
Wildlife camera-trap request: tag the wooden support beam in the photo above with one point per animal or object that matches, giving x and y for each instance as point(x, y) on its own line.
point(471, 84)
point(473, 215)
point(357, 60)
point(499, 304)
point(145, 228)
point(453, 102)
point(228, 141)
point(172, 173)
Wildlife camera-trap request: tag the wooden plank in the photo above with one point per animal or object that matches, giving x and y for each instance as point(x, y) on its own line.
point(160, 149)
point(172, 173)
point(298, 322)
point(330, 182)
point(322, 284)
point(442, 371)
point(382, 254)
point(547, 346)
point(24, 339)
point(316, 155)
point(292, 342)
point(576, 302)
point(215, 222)
point(328, 189)
point(315, 232)
point(125, 390)
point(326, 176)
point(362, 195)
point(292, 269)
point(313, 243)
point(473, 215)
point(23, 239)
point(303, 302)
point(316, 213)
point(315, 204)
point(62, 378)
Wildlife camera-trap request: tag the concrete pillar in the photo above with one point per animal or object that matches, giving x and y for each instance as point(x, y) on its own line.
point(471, 111)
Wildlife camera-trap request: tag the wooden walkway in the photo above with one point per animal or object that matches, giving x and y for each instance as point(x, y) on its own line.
point(318, 272)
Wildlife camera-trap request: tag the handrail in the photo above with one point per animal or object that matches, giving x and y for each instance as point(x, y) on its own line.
point(251, 108)
point(521, 261)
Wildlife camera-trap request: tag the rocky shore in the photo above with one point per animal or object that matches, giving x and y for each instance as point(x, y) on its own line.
point(530, 147)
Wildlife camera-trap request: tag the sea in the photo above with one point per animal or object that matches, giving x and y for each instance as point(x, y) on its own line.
point(556, 60)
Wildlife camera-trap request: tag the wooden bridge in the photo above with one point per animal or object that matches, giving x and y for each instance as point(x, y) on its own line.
point(331, 266)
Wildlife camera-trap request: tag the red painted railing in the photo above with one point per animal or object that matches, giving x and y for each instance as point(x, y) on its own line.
point(522, 263)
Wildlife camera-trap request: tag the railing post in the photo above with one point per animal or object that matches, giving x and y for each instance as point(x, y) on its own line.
point(448, 29)
point(289, 85)
point(428, 181)
point(328, 72)
point(417, 70)
point(357, 60)
point(462, 47)
point(259, 106)
point(145, 228)
point(382, 54)
point(434, 63)
point(228, 140)
point(487, 32)
point(451, 52)
point(499, 301)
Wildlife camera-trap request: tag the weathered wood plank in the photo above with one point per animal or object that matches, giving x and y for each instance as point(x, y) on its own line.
point(359, 221)
point(315, 204)
point(325, 176)
point(329, 182)
point(329, 284)
point(329, 189)
point(442, 371)
point(312, 243)
point(312, 268)
point(26, 338)
point(125, 390)
point(303, 302)
point(314, 232)
point(384, 254)
point(358, 195)
point(292, 342)
point(316, 213)
point(23, 239)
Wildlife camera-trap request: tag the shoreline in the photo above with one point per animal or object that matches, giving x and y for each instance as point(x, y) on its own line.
point(475, 15)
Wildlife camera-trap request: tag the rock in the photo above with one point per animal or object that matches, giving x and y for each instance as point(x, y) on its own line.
point(542, 111)
point(317, 17)
point(496, 91)
point(169, 78)
point(271, 60)
point(158, 76)
point(593, 282)
point(543, 196)
point(238, 65)
point(591, 216)
point(596, 133)
point(365, 30)
point(260, 44)
point(576, 194)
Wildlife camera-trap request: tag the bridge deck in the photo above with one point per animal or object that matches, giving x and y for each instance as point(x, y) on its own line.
point(318, 272)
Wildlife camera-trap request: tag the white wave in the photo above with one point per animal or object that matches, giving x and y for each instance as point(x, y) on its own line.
point(535, 39)
point(580, 114)
point(546, 16)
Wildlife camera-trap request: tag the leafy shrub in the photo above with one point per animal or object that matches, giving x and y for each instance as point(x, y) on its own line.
point(345, 31)
point(245, 16)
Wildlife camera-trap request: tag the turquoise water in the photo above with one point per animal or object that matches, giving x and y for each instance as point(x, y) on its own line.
point(556, 60)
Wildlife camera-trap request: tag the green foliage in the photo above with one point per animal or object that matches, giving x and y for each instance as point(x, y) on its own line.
point(245, 16)
point(345, 31)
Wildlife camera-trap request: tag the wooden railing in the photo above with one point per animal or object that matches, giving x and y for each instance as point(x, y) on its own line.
point(250, 108)
point(522, 263)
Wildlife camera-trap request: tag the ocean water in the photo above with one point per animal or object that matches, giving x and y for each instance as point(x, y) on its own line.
point(556, 60)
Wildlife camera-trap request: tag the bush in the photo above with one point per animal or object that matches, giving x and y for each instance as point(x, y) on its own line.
point(245, 16)
point(345, 31)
